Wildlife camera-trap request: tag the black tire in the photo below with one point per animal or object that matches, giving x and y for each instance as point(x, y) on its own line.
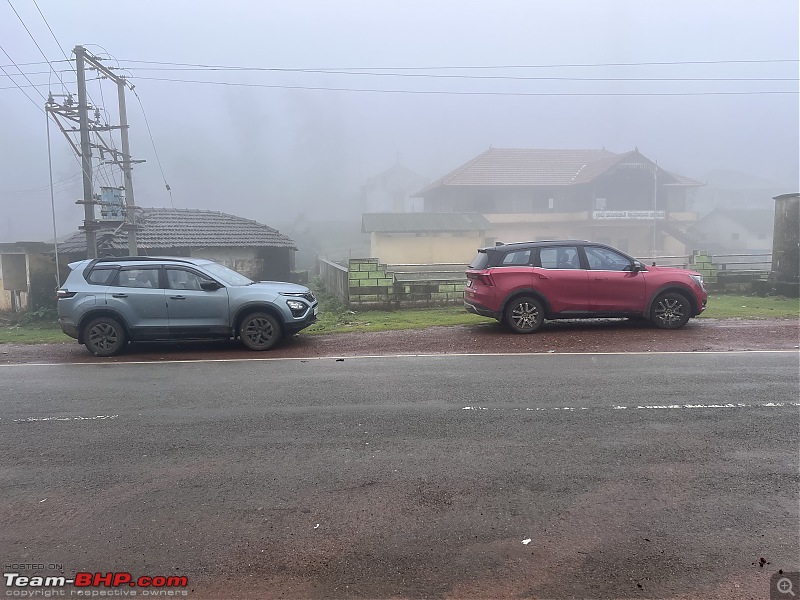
point(259, 331)
point(104, 336)
point(524, 315)
point(670, 311)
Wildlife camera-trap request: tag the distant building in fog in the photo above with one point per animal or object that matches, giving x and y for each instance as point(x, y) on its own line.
point(722, 230)
point(625, 200)
point(391, 191)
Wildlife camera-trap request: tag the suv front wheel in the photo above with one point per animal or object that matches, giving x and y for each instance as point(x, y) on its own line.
point(104, 336)
point(524, 315)
point(259, 331)
point(671, 311)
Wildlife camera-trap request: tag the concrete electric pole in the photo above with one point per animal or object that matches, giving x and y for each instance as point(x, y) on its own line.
point(121, 158)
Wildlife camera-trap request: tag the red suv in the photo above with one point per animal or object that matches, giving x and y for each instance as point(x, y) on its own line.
point(523, 284)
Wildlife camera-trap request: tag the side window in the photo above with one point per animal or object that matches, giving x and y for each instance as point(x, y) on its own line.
point(100, 276)
point(517, 259)
point(137, 278)
point(180, 279)
point(603, 259)
point(560, 257)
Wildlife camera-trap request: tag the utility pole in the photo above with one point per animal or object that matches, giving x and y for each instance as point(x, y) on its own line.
point(126, 169)
point(122, 158)
point(89, 223)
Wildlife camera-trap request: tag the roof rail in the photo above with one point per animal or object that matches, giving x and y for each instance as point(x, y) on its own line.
point(141, 259)
point(112, 259)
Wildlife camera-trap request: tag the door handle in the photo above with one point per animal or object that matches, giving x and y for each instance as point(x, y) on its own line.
point(540, 276)
point(177, 297)
point(119, 295)
point(601, 278)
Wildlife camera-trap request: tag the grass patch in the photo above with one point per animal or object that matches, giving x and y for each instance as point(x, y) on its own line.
point(751, 307)
point(334, 318)
point(377, 320)
point(33, 333)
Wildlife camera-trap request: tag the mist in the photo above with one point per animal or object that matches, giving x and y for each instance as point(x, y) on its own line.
point(280, 154)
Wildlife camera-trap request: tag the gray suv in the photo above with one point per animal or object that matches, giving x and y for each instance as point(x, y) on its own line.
point(107, 302)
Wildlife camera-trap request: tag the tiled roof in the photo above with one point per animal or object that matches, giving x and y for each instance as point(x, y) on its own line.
point(422, 222)
point(536, 167)
point(165, 228)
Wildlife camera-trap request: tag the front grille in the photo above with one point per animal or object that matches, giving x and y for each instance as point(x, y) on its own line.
point(310, 297)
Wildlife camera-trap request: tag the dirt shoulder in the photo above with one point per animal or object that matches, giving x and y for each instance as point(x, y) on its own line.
point(565, 336)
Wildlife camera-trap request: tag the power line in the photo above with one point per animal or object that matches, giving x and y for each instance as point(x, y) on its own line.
point(64, 54)
point(38, 85)
point(446, 76)
point(19, 86)
point(153, 142)
point(465, 93)
point(37, 43)
point(476, 67)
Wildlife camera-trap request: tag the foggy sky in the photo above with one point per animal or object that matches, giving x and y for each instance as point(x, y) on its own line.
point(272, 154)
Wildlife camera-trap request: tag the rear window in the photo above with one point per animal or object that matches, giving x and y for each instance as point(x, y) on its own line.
point(101, 276)
point(518, 258)
point(480, 261)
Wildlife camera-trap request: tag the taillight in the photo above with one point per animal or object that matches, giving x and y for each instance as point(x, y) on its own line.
point(482, 278)
point(65, 294)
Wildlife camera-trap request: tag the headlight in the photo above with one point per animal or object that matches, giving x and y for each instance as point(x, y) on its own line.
point(298, 308)
point(698, 280)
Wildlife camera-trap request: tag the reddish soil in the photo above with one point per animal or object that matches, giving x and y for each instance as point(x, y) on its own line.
point(565, 336)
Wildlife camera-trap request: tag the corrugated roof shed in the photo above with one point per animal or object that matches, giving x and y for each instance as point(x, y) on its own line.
point(422, 222)
point(165, 228)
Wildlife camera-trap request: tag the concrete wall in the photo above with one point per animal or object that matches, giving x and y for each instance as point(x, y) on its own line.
point(373, 286)
point(336, 280)
point(259, 264)
point(426, 248)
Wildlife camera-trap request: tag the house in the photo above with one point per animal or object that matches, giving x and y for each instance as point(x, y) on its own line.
point(253, 249)
point(425, 237)
point(625, 200)
point(732, 230)
point(27, 276)
point(391, 191)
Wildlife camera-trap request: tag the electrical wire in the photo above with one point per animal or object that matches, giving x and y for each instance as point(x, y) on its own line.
point(19, 86)
point(155, 151)
point(37, 44)
point(465, 93)
point(477, 67)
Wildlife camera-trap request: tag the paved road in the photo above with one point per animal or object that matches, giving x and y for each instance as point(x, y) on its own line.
point(638, 475)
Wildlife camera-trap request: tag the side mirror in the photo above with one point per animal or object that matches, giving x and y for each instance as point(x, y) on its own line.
point(209, 286)
point(637, 266)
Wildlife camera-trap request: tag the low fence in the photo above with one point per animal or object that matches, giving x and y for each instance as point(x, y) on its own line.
point(335, 278)
point(741, 272)
point(368, 283)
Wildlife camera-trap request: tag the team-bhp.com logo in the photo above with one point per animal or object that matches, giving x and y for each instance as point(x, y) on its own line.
point(89, 584)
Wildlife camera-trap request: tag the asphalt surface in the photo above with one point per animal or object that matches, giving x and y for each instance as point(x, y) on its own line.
point(536, 476)
point(597, 335)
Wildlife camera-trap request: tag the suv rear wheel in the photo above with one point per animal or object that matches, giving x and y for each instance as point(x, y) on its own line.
point(524, 315)
point(104, 336)
point(671, 311)
point(259, 331)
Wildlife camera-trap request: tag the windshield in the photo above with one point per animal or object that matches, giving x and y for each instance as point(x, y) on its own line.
point(228, 276)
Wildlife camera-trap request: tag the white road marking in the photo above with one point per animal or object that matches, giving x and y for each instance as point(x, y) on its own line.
point(39, 419)
point(367, 356)
point(648, 407)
